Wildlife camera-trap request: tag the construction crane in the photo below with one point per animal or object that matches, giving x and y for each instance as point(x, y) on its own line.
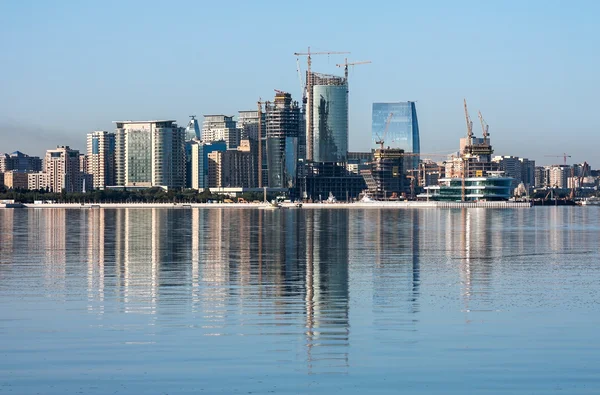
point(484, 127)
point(309, 129)
point(346, 64)
point(469, 125)
point(564, 156)
point(381, 140)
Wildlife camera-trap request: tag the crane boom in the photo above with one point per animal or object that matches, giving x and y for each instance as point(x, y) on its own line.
point(346, 64)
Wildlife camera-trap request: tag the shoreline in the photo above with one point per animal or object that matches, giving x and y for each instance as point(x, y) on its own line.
point(361, 205)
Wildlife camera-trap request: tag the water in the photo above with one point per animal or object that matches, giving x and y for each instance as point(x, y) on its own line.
point(156, 301)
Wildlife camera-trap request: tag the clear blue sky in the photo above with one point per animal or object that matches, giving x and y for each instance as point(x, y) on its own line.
point(531, 67)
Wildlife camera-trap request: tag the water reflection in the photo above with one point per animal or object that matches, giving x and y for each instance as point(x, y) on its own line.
point(290, 286)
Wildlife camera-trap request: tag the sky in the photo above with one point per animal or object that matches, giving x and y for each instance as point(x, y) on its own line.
point(532, 67)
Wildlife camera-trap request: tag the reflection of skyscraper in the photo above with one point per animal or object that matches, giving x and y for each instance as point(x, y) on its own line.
point(326, 299)
point(402, 131)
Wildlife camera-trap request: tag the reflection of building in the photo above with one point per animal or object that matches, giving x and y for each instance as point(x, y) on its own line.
point(282, 128)
point(150, 153)
point(101, 158)
point(402, 131)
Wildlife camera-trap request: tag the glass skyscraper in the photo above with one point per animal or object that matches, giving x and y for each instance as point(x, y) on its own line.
point(330, 123)
point(403, 131)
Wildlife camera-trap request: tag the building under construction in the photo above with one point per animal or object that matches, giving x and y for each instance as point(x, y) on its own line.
point(282, 119)
point(327, 118)
point(472, 176)
point(385, 178)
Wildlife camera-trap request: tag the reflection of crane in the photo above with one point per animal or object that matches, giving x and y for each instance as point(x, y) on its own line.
point(485, 127)
point(309, 129)
point(346, 64)
point(381, 140)
point(564, 156)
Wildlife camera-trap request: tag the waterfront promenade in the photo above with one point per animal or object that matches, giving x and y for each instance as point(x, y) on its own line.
point(361, 205)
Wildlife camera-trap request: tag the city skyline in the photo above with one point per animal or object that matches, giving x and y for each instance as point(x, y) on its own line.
point(515, 76)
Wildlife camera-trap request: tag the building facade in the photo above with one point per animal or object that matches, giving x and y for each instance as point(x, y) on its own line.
point(18, 161)
point(233, 168)
point(38, 181)
point(329, 118)
point(385, 178)
point(402, 131)
point(101, 158)
point(320, 179)
point(15, 180)
point(220, 128)
point(150, 153)
point(199, 162)
point(61, 166)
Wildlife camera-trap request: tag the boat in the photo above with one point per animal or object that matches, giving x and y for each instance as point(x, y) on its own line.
point(273, 205)
point(591, 201)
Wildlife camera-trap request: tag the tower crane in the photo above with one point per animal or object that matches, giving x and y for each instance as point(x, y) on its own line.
point(309, 125)
point(346, 64)
point(564, 156)
point(387, 126)
point(469, 125)
point(484, 127)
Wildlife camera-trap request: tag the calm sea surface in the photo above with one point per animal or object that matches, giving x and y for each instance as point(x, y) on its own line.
point(169, 301)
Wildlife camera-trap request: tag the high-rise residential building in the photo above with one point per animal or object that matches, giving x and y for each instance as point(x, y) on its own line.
point(221, 127)
point(329, 129)
point(282, 128)
point(15, 180)
point(150, 153)
point(61, 166)
point(247, 124)
point(199, 162)
point(120, 155)
point(101, 159)
point(558, 176)
point(402, 130)
point(520, 169)
point(233, 168)
point(18, 161)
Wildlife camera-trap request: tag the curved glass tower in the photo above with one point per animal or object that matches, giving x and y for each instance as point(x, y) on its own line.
point(403, 131)
point(330, 123)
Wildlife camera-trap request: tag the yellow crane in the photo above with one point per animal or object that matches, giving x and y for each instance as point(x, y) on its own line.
point(346, 64)
point(309, 54)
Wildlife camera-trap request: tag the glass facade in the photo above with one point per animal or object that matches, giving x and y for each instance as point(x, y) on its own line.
point(330, 123)
point(403, 130)
point(139, 157)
